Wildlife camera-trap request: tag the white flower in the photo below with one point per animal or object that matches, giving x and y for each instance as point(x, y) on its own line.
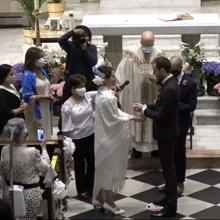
point(98, 80)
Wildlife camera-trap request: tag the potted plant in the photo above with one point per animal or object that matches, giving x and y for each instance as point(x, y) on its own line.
point(28, 7)
point(55, 8)
point(195, 57)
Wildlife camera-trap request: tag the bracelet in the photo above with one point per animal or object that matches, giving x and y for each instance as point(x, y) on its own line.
point(33, 97)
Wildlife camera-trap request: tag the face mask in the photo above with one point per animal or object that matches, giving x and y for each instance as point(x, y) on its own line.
point(41, 62)
point(176, 72)
point(147, 50)
point(81, 91)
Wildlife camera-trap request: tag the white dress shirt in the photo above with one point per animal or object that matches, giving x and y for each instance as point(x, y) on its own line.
point(77, 116)
point(164, 80)
point(179, 77)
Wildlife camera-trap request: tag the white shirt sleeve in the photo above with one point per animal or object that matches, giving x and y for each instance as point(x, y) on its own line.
point(67, 124)
point(143, 108)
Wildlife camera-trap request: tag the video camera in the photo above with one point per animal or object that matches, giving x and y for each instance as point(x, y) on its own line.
point(80, 39)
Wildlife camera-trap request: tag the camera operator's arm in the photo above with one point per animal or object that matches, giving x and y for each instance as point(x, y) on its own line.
point(64, 41)
point(90, 53)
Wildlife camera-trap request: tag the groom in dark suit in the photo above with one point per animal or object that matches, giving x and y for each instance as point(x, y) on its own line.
point(188, 101)
point(165, 130)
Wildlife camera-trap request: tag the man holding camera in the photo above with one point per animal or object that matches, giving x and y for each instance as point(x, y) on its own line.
point(81, 54)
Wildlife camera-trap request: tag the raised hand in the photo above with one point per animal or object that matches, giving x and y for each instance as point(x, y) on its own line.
point(80, 32)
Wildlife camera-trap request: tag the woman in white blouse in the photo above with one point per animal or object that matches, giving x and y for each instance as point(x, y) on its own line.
point(78, 124)
point(112, 142)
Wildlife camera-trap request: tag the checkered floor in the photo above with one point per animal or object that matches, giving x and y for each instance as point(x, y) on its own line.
point(201, 198)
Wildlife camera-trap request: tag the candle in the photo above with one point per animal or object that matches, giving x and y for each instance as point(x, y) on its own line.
point(36, 4)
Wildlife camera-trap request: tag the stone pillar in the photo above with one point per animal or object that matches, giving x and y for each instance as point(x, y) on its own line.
point(5, 6)
point(190, 39)
point(114, 49)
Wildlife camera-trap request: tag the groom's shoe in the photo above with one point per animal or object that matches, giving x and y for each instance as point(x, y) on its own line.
point(163, 214)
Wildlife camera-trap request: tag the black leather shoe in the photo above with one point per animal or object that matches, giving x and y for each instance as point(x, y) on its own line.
point(163, 214)
point(161, 189)
point(161, 202)
point(82, 196)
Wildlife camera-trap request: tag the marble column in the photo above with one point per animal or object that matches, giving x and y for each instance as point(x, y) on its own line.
point(114, 49)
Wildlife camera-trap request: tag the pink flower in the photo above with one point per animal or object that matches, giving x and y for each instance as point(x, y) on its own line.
point(185, 82)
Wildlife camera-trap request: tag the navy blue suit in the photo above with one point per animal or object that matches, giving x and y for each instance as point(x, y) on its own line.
point(188, 101)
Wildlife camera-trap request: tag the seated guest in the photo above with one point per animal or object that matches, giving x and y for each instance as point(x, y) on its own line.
point(28, 165)
point(78, 124)
point(36, 92)
point(10, 102)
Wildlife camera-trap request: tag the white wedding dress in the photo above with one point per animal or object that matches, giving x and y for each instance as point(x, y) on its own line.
point(112, 141)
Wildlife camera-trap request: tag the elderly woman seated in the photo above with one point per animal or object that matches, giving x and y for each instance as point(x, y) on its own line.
point(28, 165)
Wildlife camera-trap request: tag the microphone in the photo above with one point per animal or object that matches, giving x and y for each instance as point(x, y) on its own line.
point(124, 84)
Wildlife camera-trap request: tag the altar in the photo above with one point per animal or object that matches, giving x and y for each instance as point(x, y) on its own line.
point(113, 27)
point(111, 4)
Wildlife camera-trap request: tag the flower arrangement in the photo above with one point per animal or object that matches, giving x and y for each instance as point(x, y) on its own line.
point(212, 74)
point(56, 59)
point(195, 56)
point(212, 68)
point(18, 70)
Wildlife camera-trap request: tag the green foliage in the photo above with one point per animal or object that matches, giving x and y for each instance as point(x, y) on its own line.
point(28, 6)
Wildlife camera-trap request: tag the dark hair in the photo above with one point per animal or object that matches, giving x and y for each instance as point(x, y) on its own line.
point(4, 71)
point(73, 81)
point(106, 70)
point(31, 56)
point(86, 29)
point(162, 62)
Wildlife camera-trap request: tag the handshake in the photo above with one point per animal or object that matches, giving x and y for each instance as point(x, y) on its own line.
point(138, 107)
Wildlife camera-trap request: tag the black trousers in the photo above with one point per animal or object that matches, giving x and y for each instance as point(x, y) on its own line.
point(84, 164)
point(180, 157)
point(166, 154)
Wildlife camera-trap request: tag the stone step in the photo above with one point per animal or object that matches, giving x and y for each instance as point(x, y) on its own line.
point(206, 137)
point(196, 159)
point(208, 102)
point(207, 117)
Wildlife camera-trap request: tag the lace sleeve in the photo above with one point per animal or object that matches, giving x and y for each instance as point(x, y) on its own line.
point(44, 168)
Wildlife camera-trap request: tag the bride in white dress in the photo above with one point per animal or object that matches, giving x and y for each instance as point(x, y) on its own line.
point(112, 141)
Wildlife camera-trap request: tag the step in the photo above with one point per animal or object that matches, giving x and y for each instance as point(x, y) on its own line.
point(13, 19)
point(207, 116)
point(196, 159)
point(206, 137)
point(208, 102)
